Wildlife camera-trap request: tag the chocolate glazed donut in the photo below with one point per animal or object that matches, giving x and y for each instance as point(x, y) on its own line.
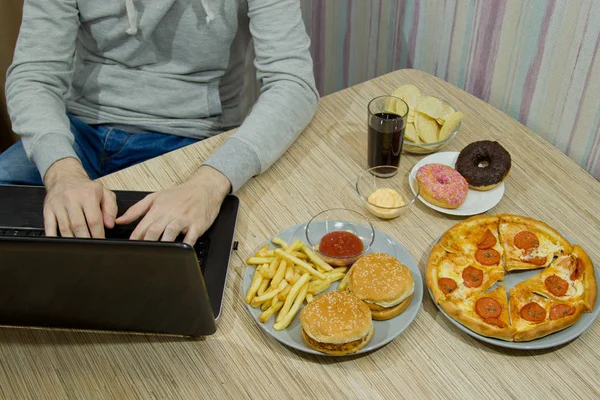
point(483, 164)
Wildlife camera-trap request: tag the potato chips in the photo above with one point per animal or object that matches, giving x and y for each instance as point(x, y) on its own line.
point(427, 128)
point(409, 93)
point(410, 133)
point(451, 125)
point(429, 120)
point(430, 106)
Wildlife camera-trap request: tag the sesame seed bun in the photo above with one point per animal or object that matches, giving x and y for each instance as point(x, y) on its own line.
point(391, 312)
point(383, 283)
point(336, 323)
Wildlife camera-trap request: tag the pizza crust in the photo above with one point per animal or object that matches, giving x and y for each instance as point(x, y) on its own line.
point(536, 331)
point(515, 265)
point(590, 285)
point(431, 274)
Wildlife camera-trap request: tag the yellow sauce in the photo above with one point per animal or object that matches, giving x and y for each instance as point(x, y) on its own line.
point(388, 198)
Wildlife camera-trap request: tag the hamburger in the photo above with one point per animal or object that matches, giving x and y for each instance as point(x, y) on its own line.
point(383, 283)
point(336, 323)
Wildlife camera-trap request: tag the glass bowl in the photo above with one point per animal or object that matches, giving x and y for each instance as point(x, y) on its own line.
point(428, 148)
point(340, 219)
point(371, 181)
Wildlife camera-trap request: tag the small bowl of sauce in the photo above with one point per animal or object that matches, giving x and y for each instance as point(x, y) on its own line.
point(389, 195)
point(340, 236)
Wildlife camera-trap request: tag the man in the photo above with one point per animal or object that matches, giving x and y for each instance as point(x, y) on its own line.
point(97, 86)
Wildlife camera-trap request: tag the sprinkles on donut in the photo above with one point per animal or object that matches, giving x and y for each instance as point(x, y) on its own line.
point(442, 185)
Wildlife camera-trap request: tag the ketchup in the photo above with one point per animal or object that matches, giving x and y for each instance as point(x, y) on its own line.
point(341, 244)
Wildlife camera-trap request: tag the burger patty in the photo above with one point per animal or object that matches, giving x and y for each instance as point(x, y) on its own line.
point(334, 346)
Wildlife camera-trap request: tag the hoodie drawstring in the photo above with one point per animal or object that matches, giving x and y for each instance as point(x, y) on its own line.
point(132, 16)
point(209, 14)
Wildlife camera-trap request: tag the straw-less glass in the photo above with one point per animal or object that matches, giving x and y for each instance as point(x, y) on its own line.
point(387, 120)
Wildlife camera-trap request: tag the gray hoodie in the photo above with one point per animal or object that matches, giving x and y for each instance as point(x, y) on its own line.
point(169, 66)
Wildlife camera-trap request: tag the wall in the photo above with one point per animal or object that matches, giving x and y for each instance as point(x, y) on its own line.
point(536, 60)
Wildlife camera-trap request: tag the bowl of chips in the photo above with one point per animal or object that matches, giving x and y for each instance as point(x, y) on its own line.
point(431, 122)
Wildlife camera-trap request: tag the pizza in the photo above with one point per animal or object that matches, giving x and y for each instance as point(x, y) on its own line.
point(533, 315)
point(569, 278)
point(467, 263)
point(485, 313)
point(529, 243)
point(467, 260)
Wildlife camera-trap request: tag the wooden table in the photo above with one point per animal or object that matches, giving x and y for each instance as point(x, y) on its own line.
point(432, 358)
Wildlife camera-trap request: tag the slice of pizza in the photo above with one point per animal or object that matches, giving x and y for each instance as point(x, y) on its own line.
point(485, 313)
point(455, 276)
point(478, 239)
point(534, 316)
point(529, 243)
point(466, 237)
point(569, 278)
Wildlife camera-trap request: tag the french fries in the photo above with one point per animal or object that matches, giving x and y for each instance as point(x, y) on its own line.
point(284, 293)
point(279, 242)
point(317, 286)
point(343, 284)
point(288, 317)
point(289, 273)
point(275, 306)
point(259, 260)
point(285, 278)
point(256, 281)
point(280, 274)
point(271, 293)
point(312, 256)
point(292, 296)
point(302, 264)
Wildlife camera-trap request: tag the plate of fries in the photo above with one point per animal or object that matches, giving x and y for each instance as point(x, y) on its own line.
point(284, 274)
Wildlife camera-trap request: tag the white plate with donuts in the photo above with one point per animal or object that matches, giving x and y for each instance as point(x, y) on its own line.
point(476, 202)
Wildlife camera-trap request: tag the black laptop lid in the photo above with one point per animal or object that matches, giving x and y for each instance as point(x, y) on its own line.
point(127, 286)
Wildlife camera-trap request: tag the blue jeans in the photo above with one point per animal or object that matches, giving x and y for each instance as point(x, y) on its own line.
point(102, 150)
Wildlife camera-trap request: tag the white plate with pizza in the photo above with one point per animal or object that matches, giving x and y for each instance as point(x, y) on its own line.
point(384, 331)
point(477, 201)
point(513, 281)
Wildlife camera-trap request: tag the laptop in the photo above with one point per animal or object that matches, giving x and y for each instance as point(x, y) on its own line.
point(109, 284)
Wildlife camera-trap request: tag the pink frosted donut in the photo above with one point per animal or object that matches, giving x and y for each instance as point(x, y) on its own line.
point(442, 185)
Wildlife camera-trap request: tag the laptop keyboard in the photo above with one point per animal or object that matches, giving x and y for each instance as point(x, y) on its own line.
point(22, 232)
point(201, 246)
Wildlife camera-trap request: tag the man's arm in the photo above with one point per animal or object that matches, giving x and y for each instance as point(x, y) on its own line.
point(288, 98)
point(39, 79)
point(286, 105)
point(36, 86)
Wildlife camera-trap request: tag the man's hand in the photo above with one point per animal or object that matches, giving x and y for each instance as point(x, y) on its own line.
point(74, 204)
point(189, 208)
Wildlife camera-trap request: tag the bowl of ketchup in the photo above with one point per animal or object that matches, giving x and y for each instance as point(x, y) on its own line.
point(340, 236)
